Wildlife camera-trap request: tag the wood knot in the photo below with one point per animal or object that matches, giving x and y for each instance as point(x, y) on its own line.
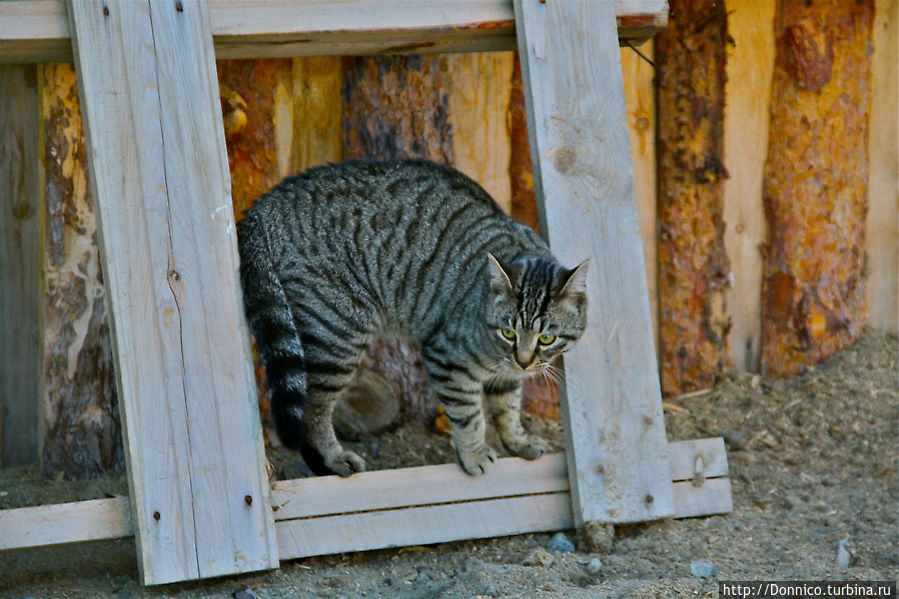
point(811, 55)
point(565, 159)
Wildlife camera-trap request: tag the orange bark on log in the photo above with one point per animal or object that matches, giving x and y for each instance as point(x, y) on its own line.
point(82, 430)
point(815, 189)
point(693, 265)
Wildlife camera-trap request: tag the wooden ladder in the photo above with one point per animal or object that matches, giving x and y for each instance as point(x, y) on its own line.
point(200, 502)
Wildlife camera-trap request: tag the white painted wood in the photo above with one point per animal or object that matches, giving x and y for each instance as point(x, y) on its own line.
point(423, 485)
point(37, 30)
point(713, 497)
point(185, 385)
point(574, 94)
point(19, 267)
point(76, 522)
point(424, 525)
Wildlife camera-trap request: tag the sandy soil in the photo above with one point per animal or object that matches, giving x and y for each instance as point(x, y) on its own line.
point(813, 458)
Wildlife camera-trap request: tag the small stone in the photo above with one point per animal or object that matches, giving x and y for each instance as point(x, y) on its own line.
point(843, 553)
point(596, 537)
point(538, 557)
point(593, 566)
point(702, 569)
point(560, 544)
point(374, 448)
point(245, 594)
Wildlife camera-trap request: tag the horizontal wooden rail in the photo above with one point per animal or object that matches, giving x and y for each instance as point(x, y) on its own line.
point(370, 510)
point(38, 30)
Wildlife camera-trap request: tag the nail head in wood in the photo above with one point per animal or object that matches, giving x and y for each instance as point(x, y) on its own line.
point(650, 499)
point(248, 500)
point(105, 11)
point(156, 516)
point(179, 7)
point(601, 469)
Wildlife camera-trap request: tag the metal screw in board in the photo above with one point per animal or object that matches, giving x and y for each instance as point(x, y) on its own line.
point(650, 499)
point(105, 11)
point(156, 516)
point(248, 500)
point(179, 7)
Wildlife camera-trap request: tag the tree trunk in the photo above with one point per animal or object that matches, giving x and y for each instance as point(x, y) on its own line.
point(693, 265)
point(82, 430)
point(815, 189)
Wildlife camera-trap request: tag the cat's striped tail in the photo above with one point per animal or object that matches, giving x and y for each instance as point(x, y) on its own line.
point(271, 321)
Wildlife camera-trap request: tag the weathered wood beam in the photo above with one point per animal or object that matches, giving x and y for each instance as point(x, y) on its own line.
point(38, 30)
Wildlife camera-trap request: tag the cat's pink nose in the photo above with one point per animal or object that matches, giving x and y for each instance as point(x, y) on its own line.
point(524, 361)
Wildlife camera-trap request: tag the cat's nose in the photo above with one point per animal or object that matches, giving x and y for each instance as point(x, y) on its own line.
point(524, 361)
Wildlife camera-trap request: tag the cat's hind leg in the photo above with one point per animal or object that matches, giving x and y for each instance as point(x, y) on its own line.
point(329, 373)
point(504, 406)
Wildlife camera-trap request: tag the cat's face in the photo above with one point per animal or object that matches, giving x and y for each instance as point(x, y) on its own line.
point(537, 311)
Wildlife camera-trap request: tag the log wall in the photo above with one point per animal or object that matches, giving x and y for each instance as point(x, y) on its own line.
point(283, 115)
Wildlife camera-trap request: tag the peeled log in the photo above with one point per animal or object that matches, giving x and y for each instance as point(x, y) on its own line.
point(816, 189)
point(693, 268)
point(82, 430)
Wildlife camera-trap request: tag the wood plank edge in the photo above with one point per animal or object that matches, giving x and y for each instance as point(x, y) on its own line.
point(47, 37)
point(65, 523)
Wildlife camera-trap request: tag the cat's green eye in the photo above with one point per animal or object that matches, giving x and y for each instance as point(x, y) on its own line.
point(507, 332)
point(546, 338)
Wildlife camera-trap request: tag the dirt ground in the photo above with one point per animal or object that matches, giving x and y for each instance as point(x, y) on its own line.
point(813, 461)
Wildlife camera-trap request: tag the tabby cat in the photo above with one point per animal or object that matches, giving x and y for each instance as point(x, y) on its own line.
point(334, 257)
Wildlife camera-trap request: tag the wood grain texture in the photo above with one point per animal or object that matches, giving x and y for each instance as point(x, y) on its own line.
point(693, 267)
point(37, 30)
point(583, 172)
point(479, 92)
point(882, 281)
point(408, 506)
point(160, 179)
point(424, 525)
point(816, 184)
point(640, 99)
point(19, 266)
point(81, 428)
point(750, 69)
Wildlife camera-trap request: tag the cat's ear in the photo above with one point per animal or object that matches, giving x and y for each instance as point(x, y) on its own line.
point(500, 275)
point(575, 287)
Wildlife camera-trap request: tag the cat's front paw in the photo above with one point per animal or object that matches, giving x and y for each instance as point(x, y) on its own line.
point(477, 461)
point(345, 463)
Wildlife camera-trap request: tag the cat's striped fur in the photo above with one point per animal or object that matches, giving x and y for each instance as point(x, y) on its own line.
point(341, 254)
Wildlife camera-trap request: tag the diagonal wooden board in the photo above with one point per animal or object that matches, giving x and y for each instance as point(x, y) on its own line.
point(574, 94)
point(159, 174)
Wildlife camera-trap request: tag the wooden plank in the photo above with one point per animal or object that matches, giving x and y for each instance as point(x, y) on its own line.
point(579, 144)
point(882, 282)
point(424, 525)
point(185, 382)
point(713, 497)
point(750, 68)
point(640, 98)
point(19, 266)
point(389, 489)
point(76, 522)
point(428, 504)
point(37, 30)
point(479, 90)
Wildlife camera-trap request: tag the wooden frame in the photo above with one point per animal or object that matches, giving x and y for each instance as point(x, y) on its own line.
point(160, 179)
point(38, 30)
point(372, 510)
